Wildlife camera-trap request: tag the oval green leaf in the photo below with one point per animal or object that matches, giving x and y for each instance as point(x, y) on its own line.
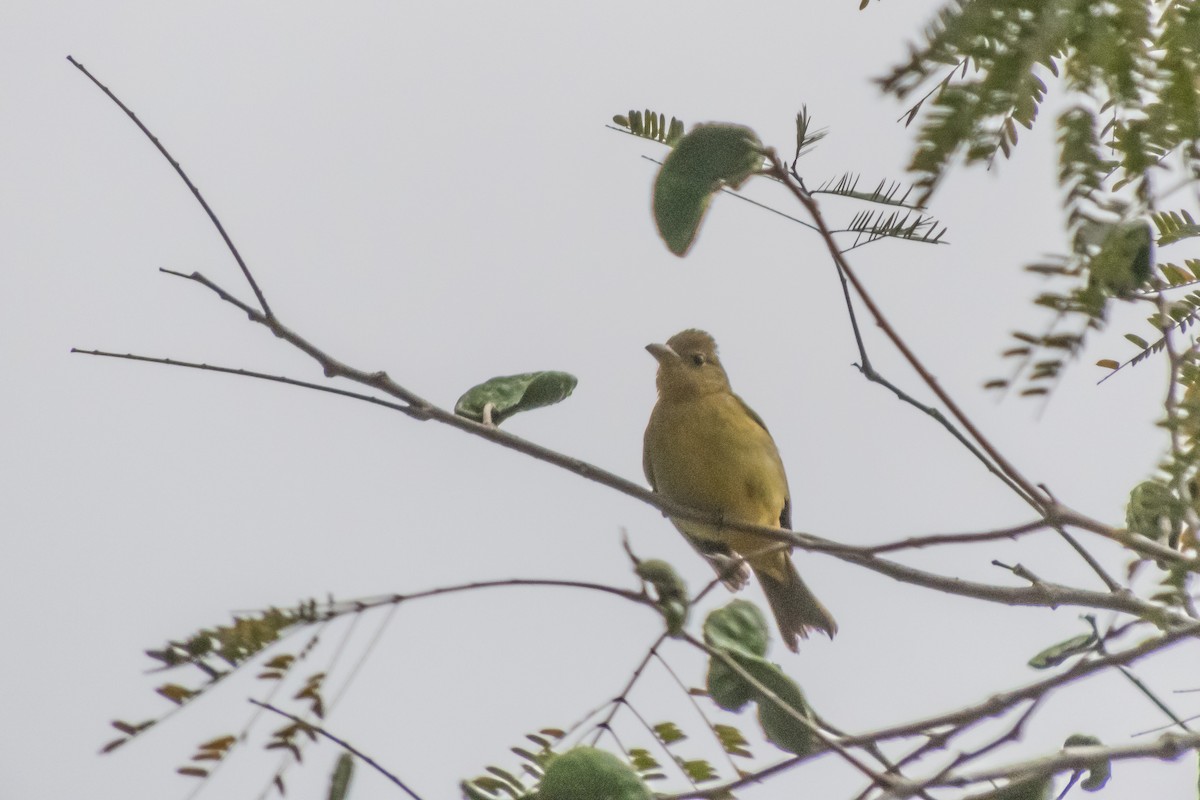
point(739, 627)
point(1057, 654)
point(710, 157)
point(512, 394)
point(587, 773)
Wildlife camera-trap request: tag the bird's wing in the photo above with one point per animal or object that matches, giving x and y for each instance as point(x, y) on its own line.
point(785, 513)
point(647, 465)
point(753, 414)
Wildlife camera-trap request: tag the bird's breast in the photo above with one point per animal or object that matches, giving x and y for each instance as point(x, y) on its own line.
point(710, 454)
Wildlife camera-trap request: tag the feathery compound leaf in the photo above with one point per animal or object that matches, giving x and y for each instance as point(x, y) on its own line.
point(1106, 51)
point(709, 158)
point(871, 226)
point(1081, 167)
point(1174, 226)
point(806, 138)
point(1139, 63)
point(650, 125)
point(885, 192)
point(500, 783)
point(1007, 41)
point(511, 394)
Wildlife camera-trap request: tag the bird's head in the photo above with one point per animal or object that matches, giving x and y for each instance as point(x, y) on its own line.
point(688, 365)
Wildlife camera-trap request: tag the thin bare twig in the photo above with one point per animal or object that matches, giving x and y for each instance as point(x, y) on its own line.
point(262, 301)
point(1168, 746)
point(1027, 490)
point(349, 748)
point(699, 711)
point(963, 719)
point(619, 700)
point(999, 703)
point(1013, 734)
point(830, 743)
point(1137, 682)
point(958, 538)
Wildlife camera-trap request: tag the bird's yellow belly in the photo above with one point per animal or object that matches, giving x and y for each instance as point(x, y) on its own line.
point(721, 461)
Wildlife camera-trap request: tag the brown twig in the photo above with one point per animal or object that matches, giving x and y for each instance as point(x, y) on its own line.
point(1168, 746)
point(188, 181)
point(999, 703)
point(830, 743)
point(965, 718)
point(349, 748)
point(779, 171)
point(620, 699)
point(915, 542)
point(1024, 487)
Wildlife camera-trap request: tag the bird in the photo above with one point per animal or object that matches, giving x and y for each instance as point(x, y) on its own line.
point(706, 449)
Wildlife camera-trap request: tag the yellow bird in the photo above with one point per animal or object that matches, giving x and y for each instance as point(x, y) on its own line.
point(705, 448)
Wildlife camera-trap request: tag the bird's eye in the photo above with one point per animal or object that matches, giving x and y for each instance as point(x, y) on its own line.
point(698, 359)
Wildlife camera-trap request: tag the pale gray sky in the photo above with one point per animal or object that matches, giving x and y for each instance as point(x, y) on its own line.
point(430, 189)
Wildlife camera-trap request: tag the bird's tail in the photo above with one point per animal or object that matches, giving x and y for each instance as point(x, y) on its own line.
point(797, 610)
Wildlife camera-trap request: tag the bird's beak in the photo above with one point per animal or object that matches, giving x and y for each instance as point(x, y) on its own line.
point(662, 354)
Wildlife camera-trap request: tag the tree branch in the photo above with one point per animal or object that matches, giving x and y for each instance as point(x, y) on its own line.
point(262, 301)
point(349, 748)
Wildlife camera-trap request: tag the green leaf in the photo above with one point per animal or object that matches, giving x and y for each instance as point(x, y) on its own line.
point(779, 725)
point(512, 394)
point(732, 741)
point(1057, 654)
point(587, 773)
point(727, 689)
point(642, 760)
point(1100, 770)
point(738, 626)
point(669, 733)
point(671, 591)
point(1153, 510)
point(739, 630)
point(1125, 257)
point(699, 770)
point(339, 781)
point(703, 162)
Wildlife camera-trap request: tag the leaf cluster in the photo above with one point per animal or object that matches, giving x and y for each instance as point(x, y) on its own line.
point(1130, 69)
